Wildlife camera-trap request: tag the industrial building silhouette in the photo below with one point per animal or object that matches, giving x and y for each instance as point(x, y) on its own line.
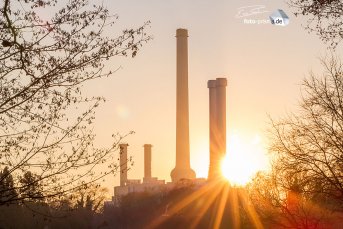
point(182, 170)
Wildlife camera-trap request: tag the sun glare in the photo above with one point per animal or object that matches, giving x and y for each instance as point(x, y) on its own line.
point(245, 157)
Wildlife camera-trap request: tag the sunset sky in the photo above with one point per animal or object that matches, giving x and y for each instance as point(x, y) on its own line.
point(264, 65)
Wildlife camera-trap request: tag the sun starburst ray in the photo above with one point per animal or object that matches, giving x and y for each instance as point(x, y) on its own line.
point(186, 202)
point(206, 206)
point(221, 207)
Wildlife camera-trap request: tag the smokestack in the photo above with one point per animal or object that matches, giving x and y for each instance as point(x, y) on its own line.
point(123, 164)
point(211, 84)
point(221, 84)
point(217, 99)
point(182, 168)
point(147, 161)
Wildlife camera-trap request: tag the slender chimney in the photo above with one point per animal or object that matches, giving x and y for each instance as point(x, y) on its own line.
point(211, 84)
point(147, 162)
point(123, 164)
point(217, 103)
point(182, 168)
point(221, 84)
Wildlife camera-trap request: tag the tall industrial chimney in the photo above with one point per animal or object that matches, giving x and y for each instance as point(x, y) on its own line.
point(182, 168)
point(123, 164)
point(147, 162)
point(217, 98)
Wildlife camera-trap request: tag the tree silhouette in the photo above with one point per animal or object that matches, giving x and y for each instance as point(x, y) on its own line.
point(7, 190)
point(91, 198)
point(309, 145)
point(45, 120)
point(325, 18)
point(31, 187)
point(305, 187)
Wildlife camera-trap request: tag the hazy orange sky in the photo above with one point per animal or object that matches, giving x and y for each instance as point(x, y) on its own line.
point(264, 65)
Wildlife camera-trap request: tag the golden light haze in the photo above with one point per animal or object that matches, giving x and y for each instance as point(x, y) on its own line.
point(244, 158)
point(264, 65)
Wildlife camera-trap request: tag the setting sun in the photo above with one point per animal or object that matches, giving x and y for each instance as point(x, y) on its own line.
point(244, 159)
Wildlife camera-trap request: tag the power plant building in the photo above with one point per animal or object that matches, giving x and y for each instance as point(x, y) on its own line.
point(149, 184)
point(182, 170)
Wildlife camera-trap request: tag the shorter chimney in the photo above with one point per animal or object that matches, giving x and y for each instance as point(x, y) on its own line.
point(123, 164)
point(221, 84)
point(147, 161)
point(217, 98)
point(212, 173)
